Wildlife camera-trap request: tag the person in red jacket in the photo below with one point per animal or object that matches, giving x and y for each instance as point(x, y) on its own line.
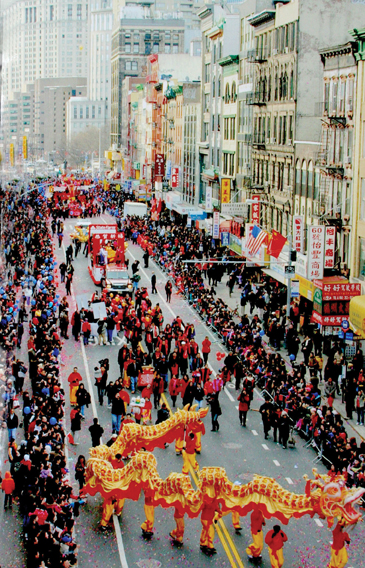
point(338, 548)
point(206, 349)
point(257, 522)
point(275, 541)
point(243, 407)
point(174, 389)
point(74, 380)
point(8, 487)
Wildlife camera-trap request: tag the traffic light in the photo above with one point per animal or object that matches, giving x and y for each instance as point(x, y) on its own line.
point(293, 255)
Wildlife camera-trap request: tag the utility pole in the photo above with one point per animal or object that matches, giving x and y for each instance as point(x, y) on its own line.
point(288, 291)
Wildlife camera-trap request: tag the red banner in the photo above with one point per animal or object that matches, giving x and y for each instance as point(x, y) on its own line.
point(175, 177)
point(328, 320)
point(340, 291)
point(255, 210)
point(160, 165)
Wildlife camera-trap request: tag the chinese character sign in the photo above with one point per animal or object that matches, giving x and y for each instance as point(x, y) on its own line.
point(225, 190)
point(175, 177)
point(255, 210)
point(159, 165)
point(208, 199)
point(330, 247)
point(215, 225)
point(316, 252)
point(298, 232)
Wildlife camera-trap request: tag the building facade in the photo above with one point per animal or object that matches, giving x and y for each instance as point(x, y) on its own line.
point(189, 172)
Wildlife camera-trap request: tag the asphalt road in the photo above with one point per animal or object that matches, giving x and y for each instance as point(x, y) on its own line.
point(242, 451)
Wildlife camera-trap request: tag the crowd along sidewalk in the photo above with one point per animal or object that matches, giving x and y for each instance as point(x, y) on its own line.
point(233, 302)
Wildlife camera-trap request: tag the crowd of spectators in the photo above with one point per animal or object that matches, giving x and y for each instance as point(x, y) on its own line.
point(38, 468)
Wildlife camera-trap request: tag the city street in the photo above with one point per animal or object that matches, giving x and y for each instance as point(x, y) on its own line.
point(242, 451)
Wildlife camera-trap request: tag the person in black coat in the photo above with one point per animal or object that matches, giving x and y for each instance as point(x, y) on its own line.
point(189, 393)
point(96, 432)
point(215, 410)
point(266, 411)
point(284, 429)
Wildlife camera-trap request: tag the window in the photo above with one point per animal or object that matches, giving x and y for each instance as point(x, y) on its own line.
point(147, 48)
point(175, 48)
point(167, 48)
point(284, 129)
point(127, 47)
point(93, 111)
point(78, 11)
point(34, 14)
point(206, 102)
point(213, 88)
point(219, 88)
point(231, 164)
point(87, 112)
point(234, 91)
point(225, 129)
point(227, 97)
point(75, 112)
point(225, 163)
point(135, 47)
point(134, 65)
point(156, 47)
point(303, 183)
point(26, 15)
point(213, 123)
point(207, 73)
point(233, 129)
point(274, 134)
point(51, 13)
point(128, 65)
point(69, 11)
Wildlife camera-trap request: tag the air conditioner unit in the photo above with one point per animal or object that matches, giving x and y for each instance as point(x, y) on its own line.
point(272, 140)
point(287, 50)
point(290, 142)
point(274, 51)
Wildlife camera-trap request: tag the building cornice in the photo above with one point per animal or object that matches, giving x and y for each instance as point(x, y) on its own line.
point(228, 60)
point(343, 49)
point(261, 17)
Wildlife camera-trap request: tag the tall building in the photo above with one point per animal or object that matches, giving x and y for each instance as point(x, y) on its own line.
point(100, 37)
point(137, 36)
point(43, 40)
point(189, 176)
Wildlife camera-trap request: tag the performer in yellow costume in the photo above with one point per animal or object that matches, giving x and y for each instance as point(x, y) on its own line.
point(338, 548)
point(275, 541)
point(177, 534)
point(110, 506)
point(257, 522)
point(149, 509)
point(189, 454)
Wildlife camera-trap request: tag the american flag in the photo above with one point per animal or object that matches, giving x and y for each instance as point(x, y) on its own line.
point(257, 238)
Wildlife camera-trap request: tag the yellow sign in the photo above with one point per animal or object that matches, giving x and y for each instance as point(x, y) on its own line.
point(25, 147)
point(306, 287)
point(11, 154)
point(225, 190)
point(357, 315)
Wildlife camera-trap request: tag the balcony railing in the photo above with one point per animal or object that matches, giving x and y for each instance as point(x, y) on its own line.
point(257, 55)
point(258, 141)
point(255, 99)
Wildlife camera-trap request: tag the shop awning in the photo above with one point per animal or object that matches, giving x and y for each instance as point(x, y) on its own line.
point(275, 275)
point(357, 315)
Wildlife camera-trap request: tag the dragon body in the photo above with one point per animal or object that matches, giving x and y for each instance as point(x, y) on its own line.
point(325, 497)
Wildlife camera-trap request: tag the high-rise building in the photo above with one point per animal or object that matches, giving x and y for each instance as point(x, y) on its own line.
point(100, 37)
point(46, 39)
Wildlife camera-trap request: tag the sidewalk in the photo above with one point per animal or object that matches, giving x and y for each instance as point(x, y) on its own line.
point(233, 302)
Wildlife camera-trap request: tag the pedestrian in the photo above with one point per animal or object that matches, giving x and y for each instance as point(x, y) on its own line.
point(96, 432)
point(99, 383)
point(63, 268)
point(80, 471)
point(68, 284)
point(243, 407)
point(69, 254)
point(284, 429)
point(102, 332)
point(168, 290)
point(74, 379)
point(135, 281)
point(75, 416)
point(153, 283)
point(307, 347)
point(215, 410)
point(266, 411)
point(118, 410)
point(174, 389)
point(206, 346)
point(157, 389)
point(76, 324)
point(83, 399)
point(86, 331)
point(8, 487)
point(275, 541)
point(132, 373)
point(60, 238)
point(12, 423)
point(163, 414)
point(146, 257)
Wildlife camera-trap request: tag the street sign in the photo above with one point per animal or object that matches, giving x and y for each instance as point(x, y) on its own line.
point(345, 325)
point(295, 289)
point(349, 336)
point(341, 334)
point(290, 270)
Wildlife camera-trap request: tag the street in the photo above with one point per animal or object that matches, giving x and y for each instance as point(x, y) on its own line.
point(242, 452)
